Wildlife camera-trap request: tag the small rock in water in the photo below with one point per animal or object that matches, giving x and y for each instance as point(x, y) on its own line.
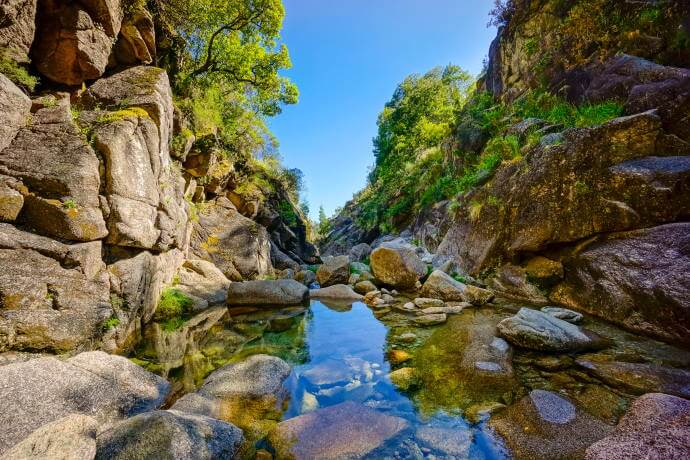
point(364, 287)
point(431, 320)
point(309, 403)
point(404, 378)
point(453, 442)
point(385, 291)
point(407, 307)
point(447, 310)
point(563, 313)
point(398, 356)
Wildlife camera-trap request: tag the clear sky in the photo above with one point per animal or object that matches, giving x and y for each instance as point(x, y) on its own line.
point(348, 56)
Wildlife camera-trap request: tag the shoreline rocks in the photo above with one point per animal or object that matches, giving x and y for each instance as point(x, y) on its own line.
point(397, 266)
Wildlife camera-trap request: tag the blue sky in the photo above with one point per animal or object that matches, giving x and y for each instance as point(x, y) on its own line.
point(348, 56)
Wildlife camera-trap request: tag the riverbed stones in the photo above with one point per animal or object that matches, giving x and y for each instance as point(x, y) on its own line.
point(44, 390)
point(336, 292)
point(545, 424)
point(397, 266)
point(440, 285)
point(267, 293)
point(539, 331)
point(640, 378)
point(346, 430)
point(564, 314)
point(656, 426)
point(334, 270)
point(365, 287)
point(170, 435)
point(431, 319)
point(423, 302)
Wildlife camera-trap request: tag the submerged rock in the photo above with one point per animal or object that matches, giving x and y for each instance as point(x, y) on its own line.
point(249, 394)
point(656, 426)
point(347, 430)
point(170, 435)
point(539, 331)
point(640, 378)
point(404, 378)
point(69, 438)
point(547, 425)
point(455, 442)
point(106, 387)
point(334, 270)
point(397, 266)
point(269, 292)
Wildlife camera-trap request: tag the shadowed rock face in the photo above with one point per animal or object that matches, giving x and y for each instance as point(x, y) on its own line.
point(18, 27)
point(636, 279)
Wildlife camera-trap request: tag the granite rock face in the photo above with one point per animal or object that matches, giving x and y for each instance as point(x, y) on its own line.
point(397, 266)
point(267, 293)
point(637, 279)
point(656, 426)
point(44, 390)
point(18, 27)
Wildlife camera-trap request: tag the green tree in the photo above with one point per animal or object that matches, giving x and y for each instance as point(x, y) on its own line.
point(324, 224)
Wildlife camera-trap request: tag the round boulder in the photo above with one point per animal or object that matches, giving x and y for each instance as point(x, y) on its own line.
point(399, 267)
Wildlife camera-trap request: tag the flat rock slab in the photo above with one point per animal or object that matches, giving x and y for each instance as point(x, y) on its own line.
point(280, 292)
point(105, 387)
point(336, 292)
point(348, 430)
point(656, 426)
point(641, 378)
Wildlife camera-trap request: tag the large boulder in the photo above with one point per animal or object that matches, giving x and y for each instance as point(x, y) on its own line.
point(656, 426)
point(397, 266)
point(334, 270)
point(544, 424)
point(619, 176)
point(74, 40)
point(60, 171)
point(268, 292)
point(636, 279)
point(360, 252)
point(44, 390)
point(540, 331)
point(53, 296)
point(136, 43)
point(170, 435)
point(247, 394)
point(14, 111)
point(347, 430)
point(238, 246)
point(71, 438)
point(17, 28)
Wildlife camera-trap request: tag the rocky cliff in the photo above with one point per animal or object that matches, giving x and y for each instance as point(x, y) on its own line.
point(100, 203)
point(592, 216)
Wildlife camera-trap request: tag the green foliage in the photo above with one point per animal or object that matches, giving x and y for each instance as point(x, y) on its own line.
point(69, 204)
point(173, 307)
point(555, 110)
point(324, 224)
point(16, 73)
point(123, 114)
point(287, 213)
point(409, 159)
point(110, 323)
